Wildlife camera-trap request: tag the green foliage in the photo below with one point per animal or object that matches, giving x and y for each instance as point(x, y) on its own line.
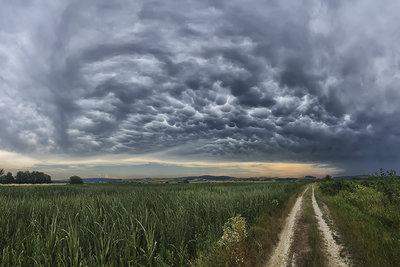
point(9, 178)
point(34, 177)
point(333, 187)
point(327, 178)
point(4, 179)
point(125, 224)
point(75, 180)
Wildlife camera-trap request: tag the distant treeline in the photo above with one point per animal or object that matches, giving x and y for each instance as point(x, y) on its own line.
point(26, 177)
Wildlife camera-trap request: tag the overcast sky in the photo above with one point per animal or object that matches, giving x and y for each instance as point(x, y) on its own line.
point(167, 88)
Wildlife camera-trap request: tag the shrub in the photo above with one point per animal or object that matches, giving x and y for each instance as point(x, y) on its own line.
point(333, 187)
point(231, 242)
point(75, 180)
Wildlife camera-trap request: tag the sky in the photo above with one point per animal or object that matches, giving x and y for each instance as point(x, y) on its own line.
point(132, 89)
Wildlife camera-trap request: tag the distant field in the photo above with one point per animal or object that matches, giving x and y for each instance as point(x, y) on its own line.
point(54, 184)
point(128, 224)
point(367, 213)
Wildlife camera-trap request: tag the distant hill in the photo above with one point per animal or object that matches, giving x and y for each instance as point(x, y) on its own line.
point(213, 178)
point(102, 180)
point(95, 180)
point(201, 178)
point(206, 178)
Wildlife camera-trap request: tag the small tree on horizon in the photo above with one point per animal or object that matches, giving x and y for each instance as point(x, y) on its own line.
point(75, 180)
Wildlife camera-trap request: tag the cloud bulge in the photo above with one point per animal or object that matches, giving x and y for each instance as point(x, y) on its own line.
point(311, 82)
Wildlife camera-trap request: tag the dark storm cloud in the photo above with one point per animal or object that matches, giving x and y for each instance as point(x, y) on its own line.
point(307, 81)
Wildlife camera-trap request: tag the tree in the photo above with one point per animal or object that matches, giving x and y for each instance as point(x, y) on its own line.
point(2, 177)
point(9, 178)
point(47, 179)
point(391, 174)
point(6, 179)
point(34, 177)
point(327, 178)
point(22, 177)
point(75, 180)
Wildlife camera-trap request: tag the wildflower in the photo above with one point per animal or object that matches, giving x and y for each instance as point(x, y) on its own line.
point(235, 231)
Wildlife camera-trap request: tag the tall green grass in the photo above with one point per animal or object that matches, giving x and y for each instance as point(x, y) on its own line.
point(126, 224)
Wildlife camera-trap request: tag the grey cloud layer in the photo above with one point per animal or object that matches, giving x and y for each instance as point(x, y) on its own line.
point(309, 81)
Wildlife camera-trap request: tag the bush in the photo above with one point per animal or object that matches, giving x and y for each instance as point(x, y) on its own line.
point(232, 241)
point(333, 187)
point(385, 182)
point(75, 180)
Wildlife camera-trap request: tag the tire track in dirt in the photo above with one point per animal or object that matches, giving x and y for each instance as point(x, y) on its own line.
point(333, 249)
point(280, 256)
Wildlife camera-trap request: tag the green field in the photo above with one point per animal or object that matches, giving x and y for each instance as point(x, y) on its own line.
point(127, 224)
point(367, 213)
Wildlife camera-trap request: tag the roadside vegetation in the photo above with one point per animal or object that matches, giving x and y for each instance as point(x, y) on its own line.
point(137, 224)
point(251, 247)
point(367, 213)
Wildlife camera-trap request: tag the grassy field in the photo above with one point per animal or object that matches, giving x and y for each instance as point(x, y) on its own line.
point(367, 213)
point(130, 224)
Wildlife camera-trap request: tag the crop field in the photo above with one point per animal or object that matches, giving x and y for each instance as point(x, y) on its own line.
point(128, 224)
point(367, 213)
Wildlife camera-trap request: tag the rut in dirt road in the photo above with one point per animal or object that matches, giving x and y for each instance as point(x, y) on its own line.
point(333, 249)
point(293, 248)
point(280, 256)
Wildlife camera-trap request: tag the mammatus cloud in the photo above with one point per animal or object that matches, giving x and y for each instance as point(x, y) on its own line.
point(313, 82)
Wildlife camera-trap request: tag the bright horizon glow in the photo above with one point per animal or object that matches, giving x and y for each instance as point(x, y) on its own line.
point(125, 166)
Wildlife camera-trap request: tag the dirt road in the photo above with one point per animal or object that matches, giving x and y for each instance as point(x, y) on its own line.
point(280, 256)
point(294, 247)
